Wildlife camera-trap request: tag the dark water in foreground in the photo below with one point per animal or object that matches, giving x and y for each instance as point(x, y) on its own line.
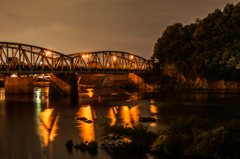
point(38, 126)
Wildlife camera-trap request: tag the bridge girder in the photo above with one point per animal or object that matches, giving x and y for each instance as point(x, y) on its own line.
point(23, 58)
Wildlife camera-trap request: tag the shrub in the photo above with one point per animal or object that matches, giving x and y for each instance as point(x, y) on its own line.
point(182, 132)
point(139, 135)
point(208, 143)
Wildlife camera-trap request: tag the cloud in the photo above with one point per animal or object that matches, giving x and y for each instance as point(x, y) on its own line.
point(90, 25)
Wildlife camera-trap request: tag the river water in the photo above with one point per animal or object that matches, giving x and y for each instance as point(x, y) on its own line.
point(38, 126)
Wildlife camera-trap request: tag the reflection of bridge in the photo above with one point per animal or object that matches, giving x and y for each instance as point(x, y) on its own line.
point(22, 58)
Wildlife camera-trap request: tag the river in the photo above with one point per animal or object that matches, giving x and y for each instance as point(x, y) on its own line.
point(37, 126)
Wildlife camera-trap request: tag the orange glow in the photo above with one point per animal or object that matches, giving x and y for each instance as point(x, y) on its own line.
point(111, 115)
point(13, 75)
point(53, 133)
point(48, 53)
point(83, 56)
point(90, 93)
point(115, 110)
point(47, 129)
point(131, 56)
point(86, 129)
point(153, 124)
point(114, 58)
point(86, 55)
point(135, 113)
point(153, 109)
point(45, 117)
point(125, 115)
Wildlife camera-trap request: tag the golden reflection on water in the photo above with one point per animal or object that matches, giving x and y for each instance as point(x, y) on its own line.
point(53, 133)
point(153, 109)
point(135, 112)
point(112, 116)
point(2, 95)
point(90, 93)
point(153, 124)
point(87, 132)
point(48, 127)
point(125, 115)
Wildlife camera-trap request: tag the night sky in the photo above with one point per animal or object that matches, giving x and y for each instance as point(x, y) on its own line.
point(72, 26)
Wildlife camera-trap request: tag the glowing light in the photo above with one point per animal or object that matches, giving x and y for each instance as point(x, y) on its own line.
point(86, 55)
point(153, 124)
point(125, 115)
point(86, 129)
point(13, 75)
point(111, 115)
point(153, 109)
point(47, 129)
point(135, 112)
point(83, 56)
point(48, 53)
point(114, 58)
point(90, 93)
point(131, 56)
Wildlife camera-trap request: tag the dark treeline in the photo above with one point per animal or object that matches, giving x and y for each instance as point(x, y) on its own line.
point(209, 47)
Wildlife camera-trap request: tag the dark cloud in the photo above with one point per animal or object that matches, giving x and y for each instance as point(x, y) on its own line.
point(82, 25)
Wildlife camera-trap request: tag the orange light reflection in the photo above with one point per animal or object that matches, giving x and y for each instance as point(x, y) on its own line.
point(135, 112)
point(86, 129)
point(47, 129)
point(125, 115)
point(153, 109)
point(112, 116)
point(153, 124)
point(90, 93)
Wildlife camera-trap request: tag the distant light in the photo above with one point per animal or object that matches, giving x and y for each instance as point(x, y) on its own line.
point(86, 55)
point(13, 75)
point(48, 53)
point(131, 56)
point(83, 56)
point(114, 58)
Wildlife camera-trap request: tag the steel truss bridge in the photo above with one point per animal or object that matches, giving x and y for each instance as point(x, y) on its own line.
point(23, 58)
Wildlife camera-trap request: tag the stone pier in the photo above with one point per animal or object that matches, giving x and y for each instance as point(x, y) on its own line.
point(63, 84)
point(18, 85)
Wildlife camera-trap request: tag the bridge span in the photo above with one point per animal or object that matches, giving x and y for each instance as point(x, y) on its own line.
point(28, 59)
point(23, 58)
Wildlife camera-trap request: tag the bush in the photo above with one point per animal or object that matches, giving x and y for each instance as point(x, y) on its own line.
point(182, 132)
point(208, 143)
point(139, 135)
point(158, 145)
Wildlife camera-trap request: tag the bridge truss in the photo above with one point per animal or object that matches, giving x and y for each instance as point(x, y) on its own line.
point(22, 58)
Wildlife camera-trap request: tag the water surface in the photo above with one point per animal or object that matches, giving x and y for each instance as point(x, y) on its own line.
point(38, 126)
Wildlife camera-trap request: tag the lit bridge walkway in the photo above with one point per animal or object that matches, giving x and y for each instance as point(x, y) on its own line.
point(22, 58)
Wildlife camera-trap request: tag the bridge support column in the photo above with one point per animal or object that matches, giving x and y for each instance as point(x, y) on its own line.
point(18, 85)
point(63, 84)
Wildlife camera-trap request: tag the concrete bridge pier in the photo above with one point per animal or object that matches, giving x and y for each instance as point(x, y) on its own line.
point(63, 84)
point(19, 85)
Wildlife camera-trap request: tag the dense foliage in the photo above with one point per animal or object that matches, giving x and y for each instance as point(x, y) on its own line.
point(209, 47)
point(190, 136)
point(139, 135)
